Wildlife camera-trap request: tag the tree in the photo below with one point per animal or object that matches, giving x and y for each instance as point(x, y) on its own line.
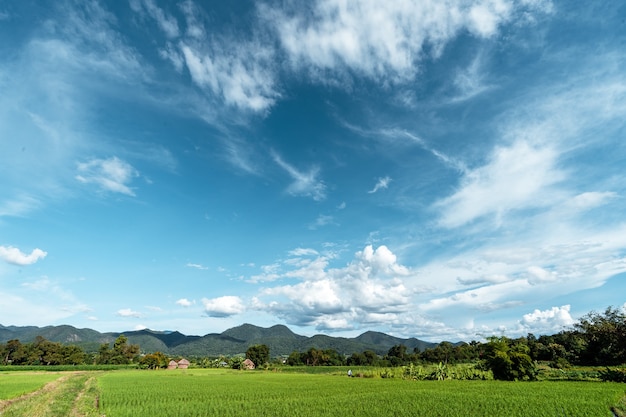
point(605, 337)
point(121, 353)
point(397, 355)
point(509, 359)
point(154, 360)
point(259, 354)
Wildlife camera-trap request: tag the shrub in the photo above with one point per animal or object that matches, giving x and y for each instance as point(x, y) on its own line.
point(613, 375)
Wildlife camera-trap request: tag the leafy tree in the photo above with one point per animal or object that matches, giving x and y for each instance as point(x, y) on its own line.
point(121, 353)
point(154, 360)
point(605, 337)
point(397, 355)
point(294, 359)
point(365, 358)
point(259, 354)
point(509, 360)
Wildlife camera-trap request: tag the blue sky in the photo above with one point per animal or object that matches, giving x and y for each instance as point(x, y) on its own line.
point(440, 170)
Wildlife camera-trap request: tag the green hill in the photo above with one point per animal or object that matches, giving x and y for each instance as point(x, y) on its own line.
point(280, 339)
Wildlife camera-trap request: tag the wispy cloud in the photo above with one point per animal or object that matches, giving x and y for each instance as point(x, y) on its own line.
point(19, 205)
point(197, 266)
point(381, 184)
point(167, 23)
point(305, 184)
point(15, 256)
point(112, 174)
point(471, 81)
point(517, 177)
point(127, 312)
point(382, 42)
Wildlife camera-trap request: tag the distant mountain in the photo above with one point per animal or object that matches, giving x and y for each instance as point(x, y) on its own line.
point(280, 339)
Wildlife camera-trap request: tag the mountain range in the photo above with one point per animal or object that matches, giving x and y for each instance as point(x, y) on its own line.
point(280, 339)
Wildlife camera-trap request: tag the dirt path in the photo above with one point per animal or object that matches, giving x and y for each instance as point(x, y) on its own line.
point(70, 395)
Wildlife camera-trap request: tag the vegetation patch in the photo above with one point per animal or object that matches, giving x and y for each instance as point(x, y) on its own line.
point(238, 393)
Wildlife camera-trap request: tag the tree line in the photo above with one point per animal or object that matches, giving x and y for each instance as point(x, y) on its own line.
point(597, 339)
point(45, 352)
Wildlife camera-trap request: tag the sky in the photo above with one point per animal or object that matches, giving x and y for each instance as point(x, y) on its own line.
point(446, 170)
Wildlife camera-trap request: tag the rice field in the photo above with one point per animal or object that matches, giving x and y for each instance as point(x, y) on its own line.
point(209, 392)
point(14, 384)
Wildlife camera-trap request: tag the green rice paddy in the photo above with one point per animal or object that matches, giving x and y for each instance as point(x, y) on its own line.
point(209, 392)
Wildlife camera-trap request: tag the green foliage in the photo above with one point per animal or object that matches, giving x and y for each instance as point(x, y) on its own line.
point(509, 360)
point(259, 354)
point(605, 337)
point(154, 361)
point(316, 357)
point(613, 375)
point(121, 353)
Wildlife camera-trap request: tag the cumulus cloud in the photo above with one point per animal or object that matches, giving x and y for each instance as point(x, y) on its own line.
point(183, 302)
point(127, 312)
point(370, 289)
point(548, 321)
point(15, 256)
point(225, 306)
point(381, 184)
point(112, 174)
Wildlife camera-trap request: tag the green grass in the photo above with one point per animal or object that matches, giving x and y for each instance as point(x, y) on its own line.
point(224, 392)
point(232, 393)
point(14, 384)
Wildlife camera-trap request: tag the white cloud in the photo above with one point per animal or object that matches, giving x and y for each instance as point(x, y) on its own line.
point(548, 321)
point(225, 306)
point(381, 184)
point(112, 174)
point(516, 177)
point(470, 82)
point(166, 22)
point(19, 205)
point(303, 252)
point(331, 298)
point(197, 266)
point(237, 72)
point(17, 257)
point(185, 302)
point(127, 312)
point(321, 221)
point(380, 41)
point(304, 184)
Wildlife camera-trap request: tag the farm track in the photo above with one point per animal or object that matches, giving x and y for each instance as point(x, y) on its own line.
point(73, 395)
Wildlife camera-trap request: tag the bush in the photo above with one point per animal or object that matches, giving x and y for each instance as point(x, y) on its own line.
point(613, 375)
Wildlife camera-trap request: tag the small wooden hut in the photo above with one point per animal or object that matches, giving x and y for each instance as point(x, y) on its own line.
point(248, 364)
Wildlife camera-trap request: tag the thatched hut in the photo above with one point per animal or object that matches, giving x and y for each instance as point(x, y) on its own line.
point(183, 364)
point(248, 364)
